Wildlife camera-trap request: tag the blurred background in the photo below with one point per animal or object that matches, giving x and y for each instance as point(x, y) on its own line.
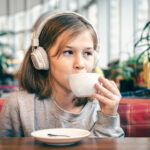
point(123, 28)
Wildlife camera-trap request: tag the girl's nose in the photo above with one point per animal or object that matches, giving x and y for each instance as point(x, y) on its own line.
point(78, 62)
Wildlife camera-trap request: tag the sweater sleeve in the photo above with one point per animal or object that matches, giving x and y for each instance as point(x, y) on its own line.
point(9, 118)
point(107, 126)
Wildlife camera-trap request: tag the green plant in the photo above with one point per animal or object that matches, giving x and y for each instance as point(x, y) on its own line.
point(143, 43)
point(4, 57)
point(132, 67)
point(123, 69)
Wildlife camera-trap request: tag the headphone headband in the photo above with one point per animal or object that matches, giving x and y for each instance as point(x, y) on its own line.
point(38, 26)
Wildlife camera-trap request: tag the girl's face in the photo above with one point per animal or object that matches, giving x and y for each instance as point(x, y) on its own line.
point(76, 57)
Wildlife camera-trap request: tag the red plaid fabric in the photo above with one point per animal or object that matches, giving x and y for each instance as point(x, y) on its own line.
point(135, 117)
point(13, 87)
point(2, 103)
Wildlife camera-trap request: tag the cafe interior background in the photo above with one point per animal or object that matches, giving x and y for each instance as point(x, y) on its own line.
point(123, 28)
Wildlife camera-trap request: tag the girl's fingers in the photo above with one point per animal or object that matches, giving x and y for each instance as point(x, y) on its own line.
point(101, 98)
point(107, 107)
point(109, 85)
point(103, 91)
point(114, 84)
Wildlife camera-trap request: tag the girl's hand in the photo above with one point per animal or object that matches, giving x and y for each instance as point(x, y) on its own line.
point(108, 95)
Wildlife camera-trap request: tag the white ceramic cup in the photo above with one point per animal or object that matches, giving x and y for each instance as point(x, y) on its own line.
point(82, 84)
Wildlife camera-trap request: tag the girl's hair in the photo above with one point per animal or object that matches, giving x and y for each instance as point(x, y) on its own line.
point(40, 81)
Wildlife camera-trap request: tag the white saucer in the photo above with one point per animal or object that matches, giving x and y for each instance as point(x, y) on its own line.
point(74, 135)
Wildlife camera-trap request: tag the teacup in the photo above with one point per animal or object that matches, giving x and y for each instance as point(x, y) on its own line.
point(82, 84)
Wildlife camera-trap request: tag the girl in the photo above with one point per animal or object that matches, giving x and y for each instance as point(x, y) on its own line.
point(63, 43)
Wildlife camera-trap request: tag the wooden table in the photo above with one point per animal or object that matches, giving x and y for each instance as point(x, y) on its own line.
point(86, 144)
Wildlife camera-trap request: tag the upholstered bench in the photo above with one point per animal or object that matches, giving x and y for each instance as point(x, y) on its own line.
point(2, 100)
point(135, 117)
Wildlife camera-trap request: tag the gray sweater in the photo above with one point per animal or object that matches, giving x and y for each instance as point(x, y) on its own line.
point(22, 114)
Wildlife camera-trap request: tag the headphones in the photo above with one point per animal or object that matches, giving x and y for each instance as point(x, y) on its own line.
point(39, 55)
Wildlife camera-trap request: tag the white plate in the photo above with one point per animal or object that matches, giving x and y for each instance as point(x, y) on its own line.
point(73, 135)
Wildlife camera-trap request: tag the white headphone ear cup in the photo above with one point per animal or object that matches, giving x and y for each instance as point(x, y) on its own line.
point(40, 59)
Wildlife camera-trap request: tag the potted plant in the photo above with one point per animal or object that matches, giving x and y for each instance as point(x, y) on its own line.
point(123, 74)
point(144, 57)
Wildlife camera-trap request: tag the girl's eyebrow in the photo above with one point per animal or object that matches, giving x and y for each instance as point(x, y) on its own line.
point(88, 48)
point(69, 47)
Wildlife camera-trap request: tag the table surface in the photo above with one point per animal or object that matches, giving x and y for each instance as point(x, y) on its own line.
point(88, 144)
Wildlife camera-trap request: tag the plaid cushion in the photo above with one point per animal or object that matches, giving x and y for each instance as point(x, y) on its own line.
point(135, 117)
point(2, 103)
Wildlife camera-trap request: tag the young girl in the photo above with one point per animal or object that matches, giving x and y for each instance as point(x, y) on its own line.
point(63, 43)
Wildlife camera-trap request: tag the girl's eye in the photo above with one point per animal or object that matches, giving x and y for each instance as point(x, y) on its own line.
point(68, 52)
point(88, 53)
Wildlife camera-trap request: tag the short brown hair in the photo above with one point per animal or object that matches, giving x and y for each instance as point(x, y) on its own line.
point(40, 81)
